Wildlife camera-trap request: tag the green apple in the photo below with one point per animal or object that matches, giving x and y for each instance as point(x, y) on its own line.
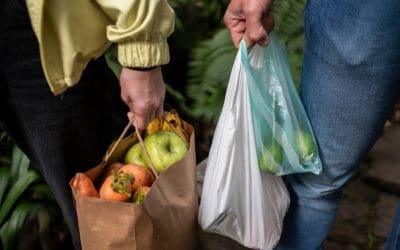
point(164, 149)
point(135, 155)
point(305, 146)
point(271, 159)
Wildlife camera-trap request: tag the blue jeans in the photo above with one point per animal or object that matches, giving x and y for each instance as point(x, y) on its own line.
point(350, 81)
point(393, 241)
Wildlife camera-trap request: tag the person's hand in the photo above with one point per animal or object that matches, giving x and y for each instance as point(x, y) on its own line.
point(144, 93)
point(250, 19)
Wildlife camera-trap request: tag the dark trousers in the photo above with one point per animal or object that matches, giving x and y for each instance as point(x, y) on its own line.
point(60, 134)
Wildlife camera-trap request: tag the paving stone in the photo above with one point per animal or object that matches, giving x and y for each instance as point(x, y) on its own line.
point(385, 210)
point(359, 190)
point(385, 166)
point(386, 175)
point(388, 144)
point(350, 226)
point(333, 245)
point(352, 223)
point(211, 241)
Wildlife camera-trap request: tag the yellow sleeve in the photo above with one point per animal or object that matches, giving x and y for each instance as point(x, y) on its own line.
point(141, 28)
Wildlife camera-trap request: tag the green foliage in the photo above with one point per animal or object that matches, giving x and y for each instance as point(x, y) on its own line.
point(196, 20)
point(209, 71)
point(18, 183)
point(289, 27)
point(9, 231)
point(199, 15)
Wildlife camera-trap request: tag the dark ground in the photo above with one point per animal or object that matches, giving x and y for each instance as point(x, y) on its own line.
point(365, 216)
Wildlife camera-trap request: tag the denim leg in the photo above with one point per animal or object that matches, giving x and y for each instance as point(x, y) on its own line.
point(393, 241)
point(60, 134)
point(350, 81)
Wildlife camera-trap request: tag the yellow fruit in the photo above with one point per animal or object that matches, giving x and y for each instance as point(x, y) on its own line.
point(173, 119)
point(153, 126)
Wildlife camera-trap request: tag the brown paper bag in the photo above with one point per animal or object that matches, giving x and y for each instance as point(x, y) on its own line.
point(167, 219)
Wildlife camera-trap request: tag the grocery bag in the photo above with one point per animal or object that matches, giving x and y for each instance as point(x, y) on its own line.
point(238, 200)
point(285, 142)
point(167, 219)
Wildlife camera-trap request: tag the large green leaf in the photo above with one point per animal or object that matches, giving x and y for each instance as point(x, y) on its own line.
point(9, 231)
point(16, 190)
point(20, 163)
point(5, 173)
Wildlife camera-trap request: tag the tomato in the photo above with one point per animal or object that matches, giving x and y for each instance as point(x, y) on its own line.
point(117, 187)
point(142, 175)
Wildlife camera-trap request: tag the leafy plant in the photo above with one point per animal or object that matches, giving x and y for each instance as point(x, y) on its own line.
point(209, 71)
point(202, 15)
point(17, 184)
point(196, 20)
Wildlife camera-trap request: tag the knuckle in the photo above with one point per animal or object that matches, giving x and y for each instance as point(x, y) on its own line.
point(225, 18)
point(145, 107)
point(256, 35)
point(141, 107)
point(251, 10)
point(125, 98)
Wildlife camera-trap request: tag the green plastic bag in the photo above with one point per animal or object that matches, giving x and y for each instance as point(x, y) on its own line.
point(285, 142)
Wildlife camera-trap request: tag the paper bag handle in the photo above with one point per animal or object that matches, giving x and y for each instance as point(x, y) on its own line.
point(132, 122)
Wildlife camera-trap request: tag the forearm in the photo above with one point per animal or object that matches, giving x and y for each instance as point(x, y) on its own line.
point(140, 29)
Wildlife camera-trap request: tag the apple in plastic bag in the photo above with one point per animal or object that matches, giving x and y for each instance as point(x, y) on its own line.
point(271, 158)
point(135, 155)
point(305, 146)
point(164, 149)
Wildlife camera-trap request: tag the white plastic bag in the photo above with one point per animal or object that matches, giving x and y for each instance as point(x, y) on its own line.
point(238, 200)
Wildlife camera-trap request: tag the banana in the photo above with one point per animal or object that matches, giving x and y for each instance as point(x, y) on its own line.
point(173, 118)
point(178, 130)
point(170, 122)
point(166, 125)
point(153, 126)
point(182, 133)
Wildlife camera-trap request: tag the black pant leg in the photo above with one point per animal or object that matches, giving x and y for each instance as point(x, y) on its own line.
point(60, 134)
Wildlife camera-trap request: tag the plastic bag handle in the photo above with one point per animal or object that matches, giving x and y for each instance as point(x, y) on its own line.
point(253, 57)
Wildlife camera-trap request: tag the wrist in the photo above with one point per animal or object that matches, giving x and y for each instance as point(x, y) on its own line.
point(143, 69)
